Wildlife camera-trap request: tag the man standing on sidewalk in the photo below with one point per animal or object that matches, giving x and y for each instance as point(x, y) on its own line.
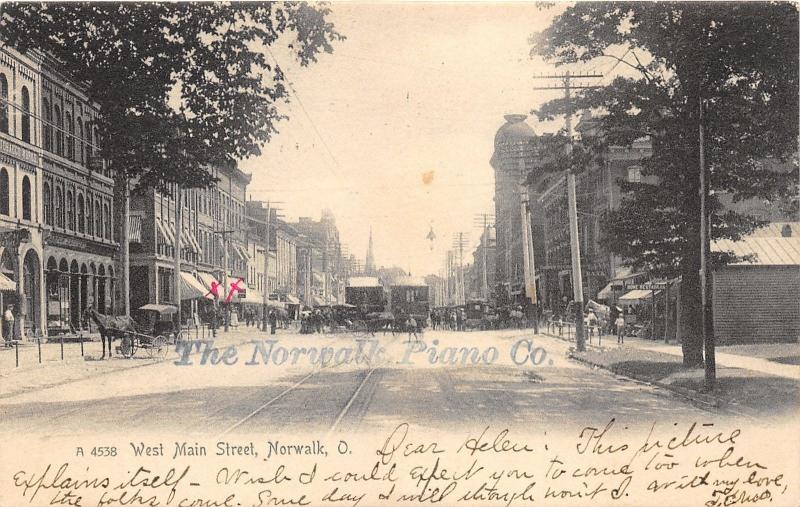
point(8, 325)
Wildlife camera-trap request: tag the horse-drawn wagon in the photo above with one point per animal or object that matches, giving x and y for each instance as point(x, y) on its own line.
point(153, 336)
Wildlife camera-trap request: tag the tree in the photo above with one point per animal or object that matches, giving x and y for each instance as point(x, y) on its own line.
point(181, 85)
point(740, 60)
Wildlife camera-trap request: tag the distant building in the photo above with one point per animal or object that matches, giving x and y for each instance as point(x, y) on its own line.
point(327, 267)
point(514, 159)
point(369, 264)
point(597, 191)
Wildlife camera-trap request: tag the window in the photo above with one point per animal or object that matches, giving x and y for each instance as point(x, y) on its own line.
point(89, 215)
point(59, 207)
point(70, 137)
point(26, 198)
point(634, 174)
point(89, 150)
point(98, 220)
point(4, 197)
point(164, 285)
point(81, 214)
point(26, 115)
point(70, 211)
point(79, 140)
point(48, 204)
point(48, 125)
point(107, 222)
point(59, 132)
point(3, 103)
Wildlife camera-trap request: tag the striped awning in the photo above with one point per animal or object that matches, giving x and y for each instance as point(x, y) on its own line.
point(134, 229)
point(191, 288)
point(164, 233)
point(7, 283)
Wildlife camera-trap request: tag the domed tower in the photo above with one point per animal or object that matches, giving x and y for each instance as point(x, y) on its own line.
point(513, 159)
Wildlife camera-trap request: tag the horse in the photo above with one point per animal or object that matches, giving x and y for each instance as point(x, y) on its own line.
point(109, 326)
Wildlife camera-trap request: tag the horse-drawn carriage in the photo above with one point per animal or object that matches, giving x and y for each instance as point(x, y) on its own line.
point(154, 336)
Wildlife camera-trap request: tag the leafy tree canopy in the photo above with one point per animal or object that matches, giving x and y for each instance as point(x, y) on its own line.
point(738, 59)
point(141, 59)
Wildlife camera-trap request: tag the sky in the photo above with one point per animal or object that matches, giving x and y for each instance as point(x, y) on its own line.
point(394, 130)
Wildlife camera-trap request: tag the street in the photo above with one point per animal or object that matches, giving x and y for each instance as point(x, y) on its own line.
point(360, 396)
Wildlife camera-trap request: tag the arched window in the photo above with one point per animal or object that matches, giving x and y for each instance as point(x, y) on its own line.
point(59, 131)
point(81, 214)
point(107, 222)
point(70, 211)
point(89, 151)
point(70, 137)
point(47, 196)
point(89, 215)
point(4, 197)
point(26, 198)
point(48, 125)
point(26, 115)
point(3, 103)
point(79, 140)
point(59, 207)
point(98, 220)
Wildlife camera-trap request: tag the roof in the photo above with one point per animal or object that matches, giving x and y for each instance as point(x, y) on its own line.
point(513, 130)
point(768, 251)
point(363, 281)
point(408, 281)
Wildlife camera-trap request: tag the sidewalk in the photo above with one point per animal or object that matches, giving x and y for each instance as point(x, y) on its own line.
point(52, 371)
point(750, 379)
point(740, 360)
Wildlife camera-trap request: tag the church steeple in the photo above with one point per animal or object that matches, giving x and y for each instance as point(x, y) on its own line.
point(369, 267)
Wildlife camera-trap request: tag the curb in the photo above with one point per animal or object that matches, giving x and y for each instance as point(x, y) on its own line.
point(704, 400)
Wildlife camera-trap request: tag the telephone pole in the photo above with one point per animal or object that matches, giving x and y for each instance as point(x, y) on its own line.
point(459, 242)
point(705, 243)
point(577, 282)
point(485, 217)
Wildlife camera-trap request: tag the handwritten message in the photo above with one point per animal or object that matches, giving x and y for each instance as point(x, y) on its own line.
point(693, 463)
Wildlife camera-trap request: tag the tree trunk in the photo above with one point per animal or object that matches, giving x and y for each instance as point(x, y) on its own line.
point(691, 297)
point(691, 313)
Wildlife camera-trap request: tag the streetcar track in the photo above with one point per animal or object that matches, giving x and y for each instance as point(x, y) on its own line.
point(297, 384)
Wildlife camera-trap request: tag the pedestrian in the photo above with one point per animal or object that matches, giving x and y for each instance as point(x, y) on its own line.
point(273, 321)
point(620, 325)
point(8, 325)
point(591, 320)
point(411, 324)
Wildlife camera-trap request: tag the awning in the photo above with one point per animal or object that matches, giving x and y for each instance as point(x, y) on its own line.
point(243, 253)
point(7, 283)
point(191, 288)
point(164, 233)
point(134, 229)
point(291, 299)
point(171, 231)
point(238, 252)
point(609, 290)
point(636, 295)
point(253, 297)
point(163, 309)
point(188, 239)
point(318, 301)
point(317, 277)
point(210, 281)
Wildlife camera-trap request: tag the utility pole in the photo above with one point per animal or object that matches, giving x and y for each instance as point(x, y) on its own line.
point(482, 220)
point(125, 252)
point(177, 254)
point(459, 242)
point(264, 319)
point(707, 316)
point(529, 264)
point(575, 249)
